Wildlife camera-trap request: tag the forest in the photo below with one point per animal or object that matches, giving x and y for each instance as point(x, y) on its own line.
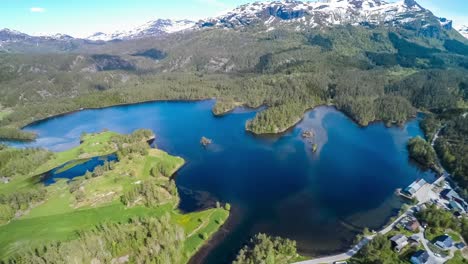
point(451, 145)
point(265, 249)
point(16, 163)
point(379, 250)
point(150, 240)
point(422, 152)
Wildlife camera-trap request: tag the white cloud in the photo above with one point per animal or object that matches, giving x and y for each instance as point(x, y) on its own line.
point(37, 9)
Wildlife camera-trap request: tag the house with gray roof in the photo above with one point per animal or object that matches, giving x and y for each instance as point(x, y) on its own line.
point(399, 242)
point(455, 207)
point(414, 187)
point(449, 194)
point(444, 242)
point(4, 180)
point(421, 257)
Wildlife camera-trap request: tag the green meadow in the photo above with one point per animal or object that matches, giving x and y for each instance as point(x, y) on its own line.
point(89, 201)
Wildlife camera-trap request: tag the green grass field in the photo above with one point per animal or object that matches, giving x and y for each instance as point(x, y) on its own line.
point(18, 183)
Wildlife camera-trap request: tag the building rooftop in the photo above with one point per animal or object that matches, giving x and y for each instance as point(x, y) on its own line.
point(455, 206)
point(460, 245)
point(4, 179)
point(420, 257)
point(412, 225)
point(399, 238)
point(415, 186)
point(449, 194)
point(444, 242)
point(399, 241)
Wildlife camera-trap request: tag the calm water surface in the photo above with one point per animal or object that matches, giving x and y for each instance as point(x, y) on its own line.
point(277, 184)
point(74, 169)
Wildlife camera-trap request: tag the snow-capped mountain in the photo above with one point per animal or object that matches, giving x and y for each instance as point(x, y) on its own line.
point(15, 41)
point(325, 13)
point(8, 35)
point(151, 29)
point(12, 35)
point(63, 37)
point(298, 15)
point(464, 31)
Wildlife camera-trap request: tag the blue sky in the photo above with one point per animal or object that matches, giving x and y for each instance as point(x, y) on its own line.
point(83, 17)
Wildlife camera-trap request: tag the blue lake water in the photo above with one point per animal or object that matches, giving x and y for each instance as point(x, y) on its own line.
point(276, 184)
point(74, 169)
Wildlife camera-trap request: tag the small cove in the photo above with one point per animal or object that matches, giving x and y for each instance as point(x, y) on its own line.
point(276, 183)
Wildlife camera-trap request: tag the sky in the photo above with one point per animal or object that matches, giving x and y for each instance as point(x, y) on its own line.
point(81, 18)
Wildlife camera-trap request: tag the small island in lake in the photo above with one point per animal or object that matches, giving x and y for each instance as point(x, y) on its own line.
point(308, 134)
point(314, 148)
point(205, 141)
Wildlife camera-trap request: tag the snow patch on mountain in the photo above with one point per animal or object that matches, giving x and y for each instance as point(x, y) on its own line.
point(298, 15)
point(322, 13)
point(151, 29)
point(464, 31)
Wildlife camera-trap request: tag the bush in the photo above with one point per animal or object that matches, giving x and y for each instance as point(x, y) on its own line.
point(265, 249)
point(6, 213)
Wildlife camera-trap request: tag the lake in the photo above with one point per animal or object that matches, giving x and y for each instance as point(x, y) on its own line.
point(276, 184)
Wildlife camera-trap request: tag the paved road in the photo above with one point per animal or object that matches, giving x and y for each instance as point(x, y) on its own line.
point(348, 254)
point(343, 256)
point(436, 136)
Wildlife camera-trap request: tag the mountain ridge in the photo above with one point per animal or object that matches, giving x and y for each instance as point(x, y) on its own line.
point(299, 15)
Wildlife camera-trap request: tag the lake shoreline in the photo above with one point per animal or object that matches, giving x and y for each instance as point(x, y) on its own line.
point(233, 220)
point(292, 126)
point(35, 122)
point(242, 105)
